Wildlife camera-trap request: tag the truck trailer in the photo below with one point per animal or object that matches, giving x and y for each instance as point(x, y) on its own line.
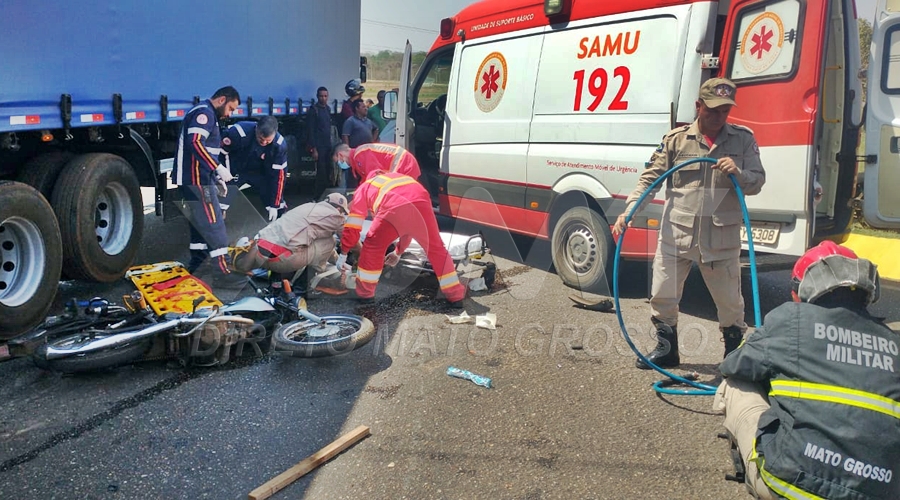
point(92, 95)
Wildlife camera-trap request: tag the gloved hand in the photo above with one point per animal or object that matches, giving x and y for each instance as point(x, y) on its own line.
point(341, 263)
point(273, 213)
point(391, 259)
point(224, 174)
point(221, 187)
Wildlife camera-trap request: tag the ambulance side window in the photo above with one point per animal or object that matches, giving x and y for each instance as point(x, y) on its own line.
point(890, 73)
point(767, 42)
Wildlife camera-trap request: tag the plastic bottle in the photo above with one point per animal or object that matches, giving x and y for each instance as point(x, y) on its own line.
point(467, 375)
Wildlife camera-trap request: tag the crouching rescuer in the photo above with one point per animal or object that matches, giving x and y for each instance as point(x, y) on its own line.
point(402, 209)
point(812, 398)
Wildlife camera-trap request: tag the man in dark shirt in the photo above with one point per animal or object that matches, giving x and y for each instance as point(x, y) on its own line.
point(319, 140)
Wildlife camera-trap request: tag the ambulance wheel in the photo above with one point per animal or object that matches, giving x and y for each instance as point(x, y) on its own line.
point(581, 249)
point(42, 171)
point(30, 258)
point(98, 202)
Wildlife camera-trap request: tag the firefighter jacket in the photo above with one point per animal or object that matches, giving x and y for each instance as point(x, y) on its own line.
point(369, 158)
point(198, 149)
point(301, 226)
point(380, 195)
point(702, 207)
point(833, 428)
point(243, 155)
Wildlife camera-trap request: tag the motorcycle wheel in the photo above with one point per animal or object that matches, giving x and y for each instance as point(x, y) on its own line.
point(341, 334)
point(91, 361)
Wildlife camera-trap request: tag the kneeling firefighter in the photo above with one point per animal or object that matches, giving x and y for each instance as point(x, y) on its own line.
point(812, 398)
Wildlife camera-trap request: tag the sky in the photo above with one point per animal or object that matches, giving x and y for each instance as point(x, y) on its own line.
point(387, 24)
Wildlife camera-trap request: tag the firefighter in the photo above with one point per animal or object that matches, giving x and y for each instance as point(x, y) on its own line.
point(303, 237)
point(256, 154)
point(812, 398)
point(701, 219)
point(368, 158)
point(401, 209)
point(201, 179)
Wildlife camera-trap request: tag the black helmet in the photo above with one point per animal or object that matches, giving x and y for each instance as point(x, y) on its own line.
point(354, 87)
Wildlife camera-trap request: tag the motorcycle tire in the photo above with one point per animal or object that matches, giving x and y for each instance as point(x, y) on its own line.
point(341, 334)
point(91, 361)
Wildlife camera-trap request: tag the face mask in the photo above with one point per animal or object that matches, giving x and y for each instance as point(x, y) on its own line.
point(344, 165)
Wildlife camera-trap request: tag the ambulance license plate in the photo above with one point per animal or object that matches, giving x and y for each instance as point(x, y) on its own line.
point(765, 233)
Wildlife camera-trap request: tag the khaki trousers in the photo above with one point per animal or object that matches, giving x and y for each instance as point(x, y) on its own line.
point(743, 403)
point(722, 278)
point(315, 256)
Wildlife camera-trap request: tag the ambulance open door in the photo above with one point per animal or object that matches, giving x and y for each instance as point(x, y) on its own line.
point(773, 51)
point(881, 203)
point(404, 125)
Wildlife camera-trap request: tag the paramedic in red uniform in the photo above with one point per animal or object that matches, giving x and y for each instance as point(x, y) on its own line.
point(377, 156)
point(402, 209)
point(702, 217)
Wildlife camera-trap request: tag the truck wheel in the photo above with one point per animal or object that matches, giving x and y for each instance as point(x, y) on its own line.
point(98, 202)
point(30, 258)
point(42, 171)
point(581, 247)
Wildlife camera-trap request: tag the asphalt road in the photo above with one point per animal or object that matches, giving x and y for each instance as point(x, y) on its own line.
point(559, 422)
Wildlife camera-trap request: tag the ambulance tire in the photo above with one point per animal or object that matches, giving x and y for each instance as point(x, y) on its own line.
point(581, 248)
point(30, 258)
point(97, 200)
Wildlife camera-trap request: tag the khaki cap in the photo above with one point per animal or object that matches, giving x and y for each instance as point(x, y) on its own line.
point(717, 92)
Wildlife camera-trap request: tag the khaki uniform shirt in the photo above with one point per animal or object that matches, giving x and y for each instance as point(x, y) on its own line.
point(702, 208)
point(303, 225)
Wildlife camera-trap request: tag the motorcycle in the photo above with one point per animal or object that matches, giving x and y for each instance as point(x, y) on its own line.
point(96, 334)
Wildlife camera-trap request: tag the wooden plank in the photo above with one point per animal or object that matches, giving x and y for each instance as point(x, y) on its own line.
point(318, 458)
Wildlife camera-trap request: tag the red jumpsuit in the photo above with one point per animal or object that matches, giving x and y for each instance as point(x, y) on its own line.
point(369, 158)
point(402, 209)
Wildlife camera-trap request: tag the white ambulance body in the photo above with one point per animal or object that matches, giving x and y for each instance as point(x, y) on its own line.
point(537, 116)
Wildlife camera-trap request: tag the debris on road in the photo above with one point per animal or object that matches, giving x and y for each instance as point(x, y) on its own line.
point(467, 375)
point(599, 305)
point(487, 321)
point(318, 458)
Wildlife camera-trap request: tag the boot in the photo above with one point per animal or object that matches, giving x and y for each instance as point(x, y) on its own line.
point(733, 338)
point(666, 353)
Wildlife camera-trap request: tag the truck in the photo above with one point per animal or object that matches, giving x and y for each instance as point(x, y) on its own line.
point(92, 95)
point(537, 116)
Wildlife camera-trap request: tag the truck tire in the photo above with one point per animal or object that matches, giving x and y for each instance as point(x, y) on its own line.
point(581, 250)
point(97, 200)
point(42, 171)
point(30, 258)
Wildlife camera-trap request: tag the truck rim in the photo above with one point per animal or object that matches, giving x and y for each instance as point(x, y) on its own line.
point(581, 249)
point(113, 218)
point(22, 257)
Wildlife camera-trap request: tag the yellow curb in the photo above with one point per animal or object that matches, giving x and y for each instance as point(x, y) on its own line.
point(883, 252)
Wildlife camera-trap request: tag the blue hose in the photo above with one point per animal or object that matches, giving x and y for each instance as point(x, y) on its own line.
point(662, 385)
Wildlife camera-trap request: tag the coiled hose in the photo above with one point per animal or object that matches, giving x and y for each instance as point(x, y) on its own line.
point(663, 386)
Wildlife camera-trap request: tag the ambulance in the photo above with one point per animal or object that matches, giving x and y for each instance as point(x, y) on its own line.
point(537, 116)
